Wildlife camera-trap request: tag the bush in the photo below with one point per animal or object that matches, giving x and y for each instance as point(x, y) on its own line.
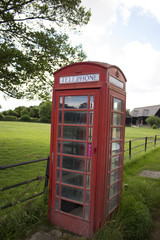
point(1, 117)
point(45, 120)
point(154, 126)
point(153, 120)
point(9, 118)
point(25, 118)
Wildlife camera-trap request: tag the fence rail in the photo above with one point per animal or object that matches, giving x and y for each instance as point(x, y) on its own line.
point(142, 144)
point(46, 177)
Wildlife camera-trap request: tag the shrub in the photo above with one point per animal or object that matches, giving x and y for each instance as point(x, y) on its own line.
point(45, 120)
point(154, 126)
point(9, 118)
point(153, 120)
point(1, 116)
point(25, 118)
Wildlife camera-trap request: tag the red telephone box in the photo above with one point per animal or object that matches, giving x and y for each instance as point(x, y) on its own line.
point(87, 145)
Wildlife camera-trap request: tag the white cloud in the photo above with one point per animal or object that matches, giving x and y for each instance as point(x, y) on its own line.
point(148, 7)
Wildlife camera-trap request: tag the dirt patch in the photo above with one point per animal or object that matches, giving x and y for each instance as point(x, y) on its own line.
point(150, 174)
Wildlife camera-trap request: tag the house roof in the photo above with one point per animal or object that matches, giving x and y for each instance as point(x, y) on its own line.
point(145, 111)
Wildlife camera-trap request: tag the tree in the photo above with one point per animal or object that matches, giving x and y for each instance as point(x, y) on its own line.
point(45, 109)
point(31, 46)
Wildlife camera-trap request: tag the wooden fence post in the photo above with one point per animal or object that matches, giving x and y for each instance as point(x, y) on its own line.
point(145, 144)
point(130, 153)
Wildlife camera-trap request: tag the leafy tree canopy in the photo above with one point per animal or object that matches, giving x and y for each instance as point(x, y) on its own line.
point(31, 47)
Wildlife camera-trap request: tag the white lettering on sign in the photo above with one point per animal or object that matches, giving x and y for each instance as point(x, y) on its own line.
point(116, 82)
point(79, 78)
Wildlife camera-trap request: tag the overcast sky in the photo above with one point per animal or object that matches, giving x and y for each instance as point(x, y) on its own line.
point(125, 33)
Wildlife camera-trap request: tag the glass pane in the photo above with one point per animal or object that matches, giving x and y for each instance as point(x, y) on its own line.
point(75, 117)
point(72, 208)
point(71, 132)
point(114, 176)
point(57, 203)
point(86, 212)
point(113, 204)
point(60, 116)
point(91, 118)
point(72, 163)
point(116, 148)
point(87, 197)
point(91, 102)
point(113, 190)
point(116, 119)
point(90, 131)
point(72, 193)
point(115, 162)
point(88, 181)
point(57, 189)
point(73, 178)
point(57, 177)
point(58, 160)
point(116, 133)
point(76, 102)
point(59, 131)
point(60, 102)
point(117, 105)
point(75, 148)
point(59, 147)
point(88, 165)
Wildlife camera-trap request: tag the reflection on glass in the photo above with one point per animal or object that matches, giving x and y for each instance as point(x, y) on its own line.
point(74, 148)
point(59, 147)
point(113, 190)
point(72, 193)
point(90, 118)
point(113, 204)
point(57, 203)
point(60, 102)
point(87, 197)
point(88, 181)
point(86, 212)
point(91, 102)
point(117, 105)
point(116, 148)
point(117, 119)
point(57, 177)
point(72, 163)
point(71, 117)
point(73, 178)
point(72, 208)
point(60, 116)
point(90, 131)
point(58, 160)
point(76, 102)
point(88, 165)
point(57, 189)
point(72, 132)
point(116, 133)
point(59, 131)
point(114, 176)
point(115, 162)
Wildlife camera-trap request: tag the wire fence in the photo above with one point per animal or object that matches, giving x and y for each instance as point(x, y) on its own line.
point(131, 148)
point(38, 178)
point(138, 145)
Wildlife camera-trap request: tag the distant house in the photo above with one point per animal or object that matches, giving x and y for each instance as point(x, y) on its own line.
point(139, 115)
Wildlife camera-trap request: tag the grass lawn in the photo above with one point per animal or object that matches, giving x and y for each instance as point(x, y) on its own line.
point(28, 141)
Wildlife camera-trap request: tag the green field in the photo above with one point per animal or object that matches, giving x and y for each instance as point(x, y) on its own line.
point(28, 141)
